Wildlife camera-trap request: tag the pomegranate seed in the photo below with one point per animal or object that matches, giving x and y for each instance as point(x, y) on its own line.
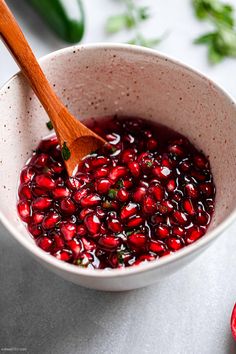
point(85, 212)
point(201, 162)
point(114, 224)
point(24, 192)
point(128, 210)
point(50, 220)
point(85, 259)
point(185, 165)
point(162, 172)
point(134, 168)
point(207, 189)
point(117, 172)
point(157, 246)
point(127, 183)
point(45, 181)
point(47, 144)
point(59, 242)
point(37, 217)
point(174, 243)
point(233, 322)
point(60, 192)
point(189, 207)
point(101, 172)
point(45, 243)
point(90, 200)
point(193, 234)
point(74, 184)
point(137, 240)
point(128, 155)
point(176, 150)
point(92, 223)
point(56, 167)
point(165, 207)
point(152, 144)
point(149, 205)
point(41, 160)
point(100, 213)
point(122, 195)
point(24, 211)
point(41, 203)
point(68, 230)
point(67, 206)
point(77, 196)
point(100, 161)
point(158, 192)
point(109, 243)
point(202, 218)
point(139, 194)
point(89, 245)
point(171, 185)
point(199, 176)
point(63, 255)
point(35, 230)
point(191, 190)
point(103, 185)
point(162, 231)
point(75, 246)
point(81, 230)
point(180, 217)
point(178, 231)
point(135, 221)
point(27, 174)
point(39, 192)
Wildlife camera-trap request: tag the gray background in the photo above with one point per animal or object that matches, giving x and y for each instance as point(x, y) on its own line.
point(186, 313)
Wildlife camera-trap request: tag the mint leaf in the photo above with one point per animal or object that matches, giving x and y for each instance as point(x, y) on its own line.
point(112, 193)
point(49, 125)
point(65, 152)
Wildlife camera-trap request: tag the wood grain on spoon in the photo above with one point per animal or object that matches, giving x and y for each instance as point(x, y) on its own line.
point(70, 132)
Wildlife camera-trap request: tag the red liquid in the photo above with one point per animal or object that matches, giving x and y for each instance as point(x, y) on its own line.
point(146, 195)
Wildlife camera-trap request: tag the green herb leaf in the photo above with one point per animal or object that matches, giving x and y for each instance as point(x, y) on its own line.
point(128, 233)
point(118, 22)
point(65, 152)
point(144, 13)
point(120, 184)
point(49, 125)
point(112, 193)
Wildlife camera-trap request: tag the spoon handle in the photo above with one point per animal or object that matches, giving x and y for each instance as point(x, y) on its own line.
point(22, 53)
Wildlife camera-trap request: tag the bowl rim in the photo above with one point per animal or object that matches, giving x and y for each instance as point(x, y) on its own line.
point(146, 266)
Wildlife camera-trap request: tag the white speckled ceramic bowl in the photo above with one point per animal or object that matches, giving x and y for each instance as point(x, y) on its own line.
point(107, 79)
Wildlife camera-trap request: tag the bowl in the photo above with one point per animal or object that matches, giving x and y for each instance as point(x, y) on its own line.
point(107, 79)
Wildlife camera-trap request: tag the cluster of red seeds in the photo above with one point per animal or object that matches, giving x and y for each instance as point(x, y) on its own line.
point(147, 194)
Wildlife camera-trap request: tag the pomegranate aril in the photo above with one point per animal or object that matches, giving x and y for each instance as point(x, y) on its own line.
point(37, 217)
point(60, 192)
point(174, 243)
point(191, 190)
point(85, 212)
point(189, 207)
point(109, 243)
point(39, 192)
point(114, 224)
point(41, 160)
point(178, 231)
point(128, 210)
point(24, 210)
point(127, 183)
point(45, 181)
point(68, 230)
point(90, 200)
point(122, 195)
point(103, 185)
point(157, 191)
point(35, 230)
point(134, 168)
point(156, 246)
point(149, 205)
point(139, 194)
point(128, 155)
point(27, 174)
point(171, 185)
point(207, 189)
point(89, 245)
point(85, 259)
point(233, 322)
point(176, 150)
point(162, 172)
point(56, 167)
point(193, 234)
point(152, 144)
point(67, 206)
point(81, 230)
point(63, 255)
point(165, 207)
point(117, 172)
point(24, 192)
point(74, 183)
point(50, 220)
point(180, 217)
point(92, 223)
point(75, 246)
point(137, 240)
point(47, 144)
point(202, 218)
point(41, 203)
point(100, 212)
point(201, 162)
point(58, 242)
point(45, 243)
point(101, 172)
point(134, 221)
point(162, 231)
point(77, 196)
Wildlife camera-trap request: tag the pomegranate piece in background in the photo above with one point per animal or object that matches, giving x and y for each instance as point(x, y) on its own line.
point(233, 322)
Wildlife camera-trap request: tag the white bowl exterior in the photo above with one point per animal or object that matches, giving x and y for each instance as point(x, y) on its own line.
point(100, 80)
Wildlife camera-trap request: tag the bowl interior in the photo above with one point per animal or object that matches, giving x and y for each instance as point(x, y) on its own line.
point(97, 81)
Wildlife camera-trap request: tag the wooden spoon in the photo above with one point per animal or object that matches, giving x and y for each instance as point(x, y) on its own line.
point(75, 139)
